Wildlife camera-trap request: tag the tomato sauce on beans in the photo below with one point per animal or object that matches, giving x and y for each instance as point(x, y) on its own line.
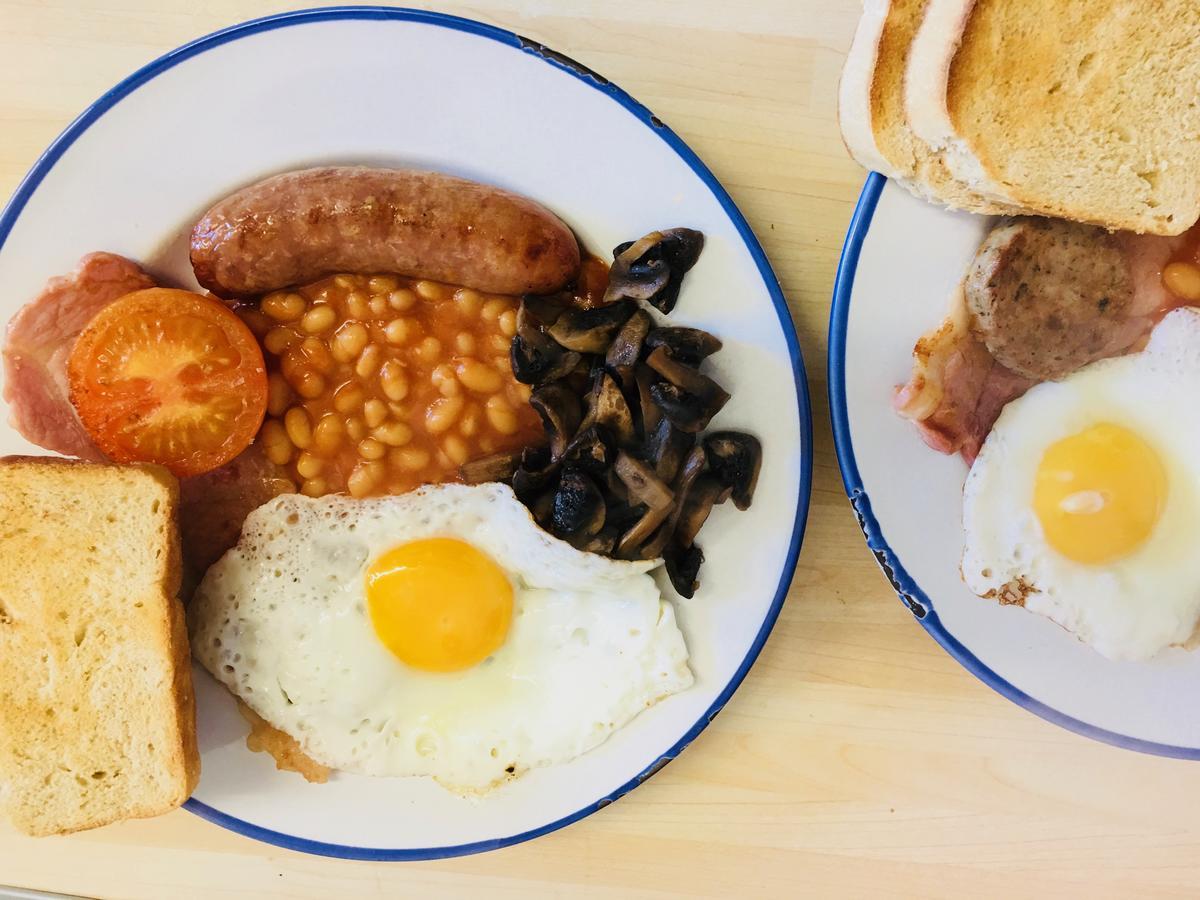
point(378, 384)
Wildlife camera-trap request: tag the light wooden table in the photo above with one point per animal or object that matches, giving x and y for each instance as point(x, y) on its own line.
point(857, 757)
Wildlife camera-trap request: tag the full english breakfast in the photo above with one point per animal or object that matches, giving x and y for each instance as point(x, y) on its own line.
point(1061, 372)
point(417, 456)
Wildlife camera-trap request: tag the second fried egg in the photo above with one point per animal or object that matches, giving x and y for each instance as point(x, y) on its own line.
point(436, 633)
point(1083, 502)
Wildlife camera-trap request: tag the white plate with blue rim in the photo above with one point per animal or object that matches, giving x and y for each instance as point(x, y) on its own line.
point(901, 260)
point(388, 86)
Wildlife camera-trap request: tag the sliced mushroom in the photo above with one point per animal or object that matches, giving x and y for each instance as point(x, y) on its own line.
point(542, 509)
point(578, 506)
point(688, 345)
point(705, 493)
point(650, 414)
point(591, 450)
point(683, 564)
point(689, 473)
point(687, 412)
point(558, 407)
point(652, 268)
point(496, 467)
point(643, 487)
point(540, 311)
point(626, 347)
point(687, 378)
point(735, 458)
point(637, 542)
point(666, 447)
point(607, 407)
point(536, 473)
point(591, 330)
point(536, 359)
point(603, 543)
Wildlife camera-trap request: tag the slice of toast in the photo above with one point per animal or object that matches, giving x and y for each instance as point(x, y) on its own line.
point(97, 714)
point(1080, 110)
point(871, 109)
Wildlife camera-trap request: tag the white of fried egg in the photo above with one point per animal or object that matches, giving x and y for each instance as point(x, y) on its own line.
point(436, 633)
point(1083, 501)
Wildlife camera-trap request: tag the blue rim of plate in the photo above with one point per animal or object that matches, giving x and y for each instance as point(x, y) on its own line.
point(907, 589)
point(47, 160)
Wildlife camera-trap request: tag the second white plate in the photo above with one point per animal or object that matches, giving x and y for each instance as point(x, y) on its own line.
point(901, 260)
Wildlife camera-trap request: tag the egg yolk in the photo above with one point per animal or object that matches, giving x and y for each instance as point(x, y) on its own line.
point(439, 604)
point(1099, 493)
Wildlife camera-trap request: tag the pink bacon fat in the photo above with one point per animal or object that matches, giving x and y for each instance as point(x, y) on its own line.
point(39, 340)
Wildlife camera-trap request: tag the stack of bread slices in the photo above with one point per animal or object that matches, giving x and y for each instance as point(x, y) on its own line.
point(1086, 110)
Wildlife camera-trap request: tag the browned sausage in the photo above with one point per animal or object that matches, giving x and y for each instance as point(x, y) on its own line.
point(300, 226)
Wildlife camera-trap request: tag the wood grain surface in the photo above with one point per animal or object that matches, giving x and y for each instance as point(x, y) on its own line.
point(858, 758)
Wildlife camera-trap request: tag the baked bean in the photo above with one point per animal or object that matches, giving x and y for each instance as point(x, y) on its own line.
point(349, 341)
point(493, 308)
point(379, 307)
point(468, 425)
point(316, 351)
point(298, 426)
point(345, 281)
point(308, 383)
point(374, 412)
point(442, 414)
point(361, 481)
point(508, 322)
point(397, 331)
point(394, 434)
point(409, 459)
point(358, 305)
point(454, 448)
point(429, 349)
point(318, 319)
point(430, 290)
point(499, 342)
point(279, 339)
point(356, 428)
point(487, 445)
point(467, 301)
point(314, 487)
point(401, 300)
point(283, 306)
point(464, 342)
point(501, 416)
point(369, 448)
point(279, 394)
point(444, 380)
point(1183, 280)
point(308, 465)
point(328, 433)
point(276, 443)
point(393, 381)
point(475, 376)
point(368, 361)
point(383, 284)
point(348, 398)
point(399, 410)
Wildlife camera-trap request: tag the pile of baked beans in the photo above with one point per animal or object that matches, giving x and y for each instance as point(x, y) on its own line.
point(378, 384)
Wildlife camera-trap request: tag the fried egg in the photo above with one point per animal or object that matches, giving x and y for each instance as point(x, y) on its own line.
point(1083, 502)
point(436, 633)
